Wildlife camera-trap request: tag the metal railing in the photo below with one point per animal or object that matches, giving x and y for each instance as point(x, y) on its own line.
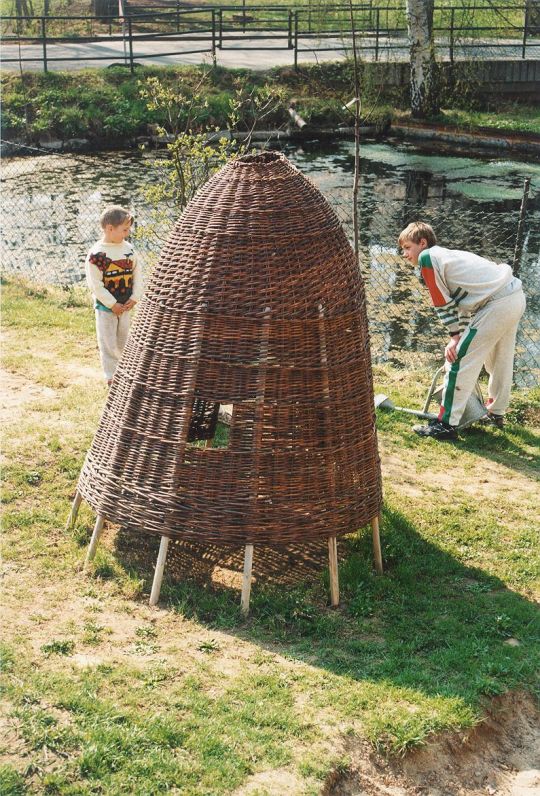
point(459, 32)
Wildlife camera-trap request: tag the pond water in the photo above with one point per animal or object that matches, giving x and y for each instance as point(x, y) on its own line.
point(51, 207)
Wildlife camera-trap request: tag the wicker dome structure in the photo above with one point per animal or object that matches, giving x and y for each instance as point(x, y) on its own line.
point(257, 304)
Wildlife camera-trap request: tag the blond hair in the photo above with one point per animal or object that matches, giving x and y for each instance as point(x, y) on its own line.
point(115, 215)
point(416, 231)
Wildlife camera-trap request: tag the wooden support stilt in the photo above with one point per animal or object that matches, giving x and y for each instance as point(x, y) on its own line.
point(246, 582)
point(333, 567)
point(77, 500)
point(377, 554)
point(160, 566)
point(92, 547)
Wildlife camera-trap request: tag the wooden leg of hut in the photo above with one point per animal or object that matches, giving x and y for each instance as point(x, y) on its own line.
point(77, 500)
point(333, 567)
point(377, 555)
point(160, 566)
point(246, 582)
point(92, 547)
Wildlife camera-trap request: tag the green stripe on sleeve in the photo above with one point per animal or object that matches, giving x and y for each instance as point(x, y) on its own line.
point(424, 259)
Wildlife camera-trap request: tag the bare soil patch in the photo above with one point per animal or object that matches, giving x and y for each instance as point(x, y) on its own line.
point(500, 757)
point(487, 479)
point(17, 392)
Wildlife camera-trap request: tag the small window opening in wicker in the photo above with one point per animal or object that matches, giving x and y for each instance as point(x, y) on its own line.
point(256, 306)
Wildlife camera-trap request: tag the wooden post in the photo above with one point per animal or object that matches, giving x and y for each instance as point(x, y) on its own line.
point(257, 443)
point(77, 500)
point(92, 547)
point(377, 555)
point(160, 566)
point(333, 567)
point(332, 541)
point(518, 250)
point(246, 582)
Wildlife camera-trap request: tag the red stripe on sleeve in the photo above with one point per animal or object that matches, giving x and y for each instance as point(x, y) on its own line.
point(437, 297)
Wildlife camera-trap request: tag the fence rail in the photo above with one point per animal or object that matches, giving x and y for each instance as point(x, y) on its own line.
point(459, 32)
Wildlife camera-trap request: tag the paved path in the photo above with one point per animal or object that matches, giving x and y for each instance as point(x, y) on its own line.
point(243, 51)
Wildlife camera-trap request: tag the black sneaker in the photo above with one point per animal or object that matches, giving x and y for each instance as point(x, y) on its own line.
point(494, 420)
point(436, 429)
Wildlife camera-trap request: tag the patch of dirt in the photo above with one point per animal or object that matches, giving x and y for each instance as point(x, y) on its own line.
point(487, 480)
point(500, 757)
point(17, 391)
point(279, 781)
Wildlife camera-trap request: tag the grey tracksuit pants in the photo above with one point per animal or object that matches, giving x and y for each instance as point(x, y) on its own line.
point(112, 333)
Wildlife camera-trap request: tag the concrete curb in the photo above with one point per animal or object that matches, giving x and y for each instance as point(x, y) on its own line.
point(471, 140)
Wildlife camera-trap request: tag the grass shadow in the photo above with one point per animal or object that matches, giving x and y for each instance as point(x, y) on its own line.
point(430, 623)
point(516, 447)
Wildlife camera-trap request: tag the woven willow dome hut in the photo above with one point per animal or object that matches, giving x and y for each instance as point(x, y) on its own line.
point(257, 305)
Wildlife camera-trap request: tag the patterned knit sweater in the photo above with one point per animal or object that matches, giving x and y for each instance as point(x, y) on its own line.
point(460, 283)
point(112, 274)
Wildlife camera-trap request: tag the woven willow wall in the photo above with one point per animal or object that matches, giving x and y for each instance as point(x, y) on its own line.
point(256, 303)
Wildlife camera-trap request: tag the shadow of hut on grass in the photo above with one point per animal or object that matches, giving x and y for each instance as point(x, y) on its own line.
point(430, 623)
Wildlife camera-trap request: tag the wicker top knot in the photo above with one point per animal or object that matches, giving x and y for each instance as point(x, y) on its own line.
point(256, 304)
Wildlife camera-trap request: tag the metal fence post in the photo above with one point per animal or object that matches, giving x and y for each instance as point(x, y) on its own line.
point(130, 34)
point(214, 36)
point(452, 11)
point(296, 39)
point(525, 27)
point(519, 235)
point(44, 38)
point(220, 12)
point(290, 31)
point(178, 16)
point(377, 23)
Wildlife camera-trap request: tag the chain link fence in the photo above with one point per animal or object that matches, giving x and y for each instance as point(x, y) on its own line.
point(51, 212)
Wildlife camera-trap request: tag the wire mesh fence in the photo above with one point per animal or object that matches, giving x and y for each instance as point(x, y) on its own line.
point(51, 212)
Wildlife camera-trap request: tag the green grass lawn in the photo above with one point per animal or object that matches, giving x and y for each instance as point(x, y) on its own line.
point(102, 694)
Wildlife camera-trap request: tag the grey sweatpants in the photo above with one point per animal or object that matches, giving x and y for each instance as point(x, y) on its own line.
point(112, 333)
point(490, 340)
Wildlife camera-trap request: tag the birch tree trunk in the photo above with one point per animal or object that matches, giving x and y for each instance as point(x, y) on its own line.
point(424, 98)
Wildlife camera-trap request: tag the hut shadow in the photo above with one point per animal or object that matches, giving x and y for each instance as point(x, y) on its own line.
point(222, 565)
point(428, 620)
point(517, 450)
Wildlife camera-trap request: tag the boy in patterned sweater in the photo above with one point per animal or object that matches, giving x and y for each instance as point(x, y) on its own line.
point(481, 304)
point(115, 282)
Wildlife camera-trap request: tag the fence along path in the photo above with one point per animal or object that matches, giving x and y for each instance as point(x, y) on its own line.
point(262, 36)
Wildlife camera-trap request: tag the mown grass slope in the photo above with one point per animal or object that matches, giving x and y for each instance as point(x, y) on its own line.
point(104, 694)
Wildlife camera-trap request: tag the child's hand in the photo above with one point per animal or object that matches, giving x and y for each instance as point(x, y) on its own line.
point(450, 352)
point(129, 304)
point(118, 308)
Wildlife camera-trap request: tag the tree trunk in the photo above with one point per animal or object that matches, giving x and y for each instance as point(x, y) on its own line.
point(424, 95)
